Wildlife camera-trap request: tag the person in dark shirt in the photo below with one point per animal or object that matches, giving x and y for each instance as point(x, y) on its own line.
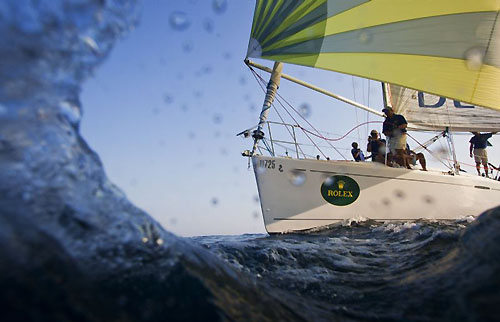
point(357, 154)
point(394, 128)
point(376, 146)
point(478, 144)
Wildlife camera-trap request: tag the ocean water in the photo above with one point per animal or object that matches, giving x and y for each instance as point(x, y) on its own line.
point(75, 249)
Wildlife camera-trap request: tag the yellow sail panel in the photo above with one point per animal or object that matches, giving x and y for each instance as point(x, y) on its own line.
point(422, 44)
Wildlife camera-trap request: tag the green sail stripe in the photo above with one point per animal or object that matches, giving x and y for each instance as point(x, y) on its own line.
point(265, 16)
point(319, 11)
point(287, 17)
point(255, 17)
point(317, 15)
point(276, 8)
point(258, 16)
point(448, 36)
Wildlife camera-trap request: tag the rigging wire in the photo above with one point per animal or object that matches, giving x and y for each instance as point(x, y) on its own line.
point(297, 123)
point(261, 83)
point(368, 113)
point(355, 110)
point(430, 152)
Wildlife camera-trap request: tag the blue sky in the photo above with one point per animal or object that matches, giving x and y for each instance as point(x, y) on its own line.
point(163, 111)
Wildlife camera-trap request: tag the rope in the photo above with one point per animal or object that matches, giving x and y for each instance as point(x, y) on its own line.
point(343, 136)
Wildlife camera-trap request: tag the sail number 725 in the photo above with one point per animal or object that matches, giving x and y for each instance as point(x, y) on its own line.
point(270, 164)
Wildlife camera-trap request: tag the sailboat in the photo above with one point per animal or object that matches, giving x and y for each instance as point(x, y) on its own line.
point(439, 63)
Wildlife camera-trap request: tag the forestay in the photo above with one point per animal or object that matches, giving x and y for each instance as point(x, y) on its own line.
point(450, 48)
point(429, 112)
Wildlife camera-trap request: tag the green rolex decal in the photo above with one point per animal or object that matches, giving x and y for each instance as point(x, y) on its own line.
point(340, 190)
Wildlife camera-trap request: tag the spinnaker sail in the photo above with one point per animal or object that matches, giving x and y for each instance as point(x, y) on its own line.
point(450, 48)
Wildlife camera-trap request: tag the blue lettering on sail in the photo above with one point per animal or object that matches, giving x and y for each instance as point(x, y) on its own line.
point(459, 105)
point(421, 102)
point(442, 100)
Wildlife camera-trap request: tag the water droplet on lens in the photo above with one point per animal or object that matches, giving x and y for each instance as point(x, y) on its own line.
point(242, 80)
point(474, 58)
point(305, 110)
point(219, 6)
point(214, 201)
point(187, 47)
point(206, 69)
point(399, 193)
point(386, 202)
point(428, 199)
point(217, 118)
point(296, 177)
point(168, 99)
point(208, 25)
point(227, 56)
point(255, 214)
point(328, 181)
point(179, 21)
point(260, 170)
point(256, 198)
point(364, 37)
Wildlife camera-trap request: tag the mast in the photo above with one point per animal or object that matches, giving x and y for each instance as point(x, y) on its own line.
point(272, 88)
point(386, 95)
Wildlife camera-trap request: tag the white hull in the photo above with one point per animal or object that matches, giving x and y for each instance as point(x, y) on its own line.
point(291, 193)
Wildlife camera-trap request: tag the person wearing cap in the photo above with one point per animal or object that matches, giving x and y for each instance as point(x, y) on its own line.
point(394, 128)
point(376, 146)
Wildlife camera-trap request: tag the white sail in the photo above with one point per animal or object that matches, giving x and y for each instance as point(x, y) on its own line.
point(430, 112)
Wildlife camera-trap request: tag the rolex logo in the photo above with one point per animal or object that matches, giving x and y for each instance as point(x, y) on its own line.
point(340, 190)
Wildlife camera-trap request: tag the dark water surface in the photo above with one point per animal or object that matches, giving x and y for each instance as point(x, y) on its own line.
point(73, 248)
point(407, 271)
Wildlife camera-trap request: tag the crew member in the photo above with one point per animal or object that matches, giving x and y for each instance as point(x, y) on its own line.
point(357, 154)
point(478, 144)
point(413, 157)
point(376, 146)
point(394, 128)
